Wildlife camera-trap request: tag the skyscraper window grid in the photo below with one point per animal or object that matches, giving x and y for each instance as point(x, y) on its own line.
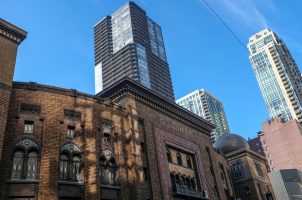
point(277, 74)
point(129, 44)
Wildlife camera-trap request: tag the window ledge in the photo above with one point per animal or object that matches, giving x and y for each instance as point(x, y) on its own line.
point(70, 183)
point(111, 186)
point(22, 181)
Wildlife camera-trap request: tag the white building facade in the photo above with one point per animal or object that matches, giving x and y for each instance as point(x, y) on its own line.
point(277, 74)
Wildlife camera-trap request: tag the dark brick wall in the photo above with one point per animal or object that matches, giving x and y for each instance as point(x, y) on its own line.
point(4, 103)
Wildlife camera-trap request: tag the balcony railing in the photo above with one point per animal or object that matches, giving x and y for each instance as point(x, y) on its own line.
point(189, 192)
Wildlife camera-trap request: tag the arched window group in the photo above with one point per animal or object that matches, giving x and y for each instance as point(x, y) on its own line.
point(107, 168)
point(238, 170)
point(71, 163)
point(182, 183)
point(25, 160)
point(179, 160)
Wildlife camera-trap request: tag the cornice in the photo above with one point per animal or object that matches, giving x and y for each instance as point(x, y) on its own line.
point(11, 32)
point(129, 87)
point(67, 92)
point(244, 152)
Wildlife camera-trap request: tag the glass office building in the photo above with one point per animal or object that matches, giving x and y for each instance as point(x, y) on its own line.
point(208, 107)
point(277, 74)
point(130, 44)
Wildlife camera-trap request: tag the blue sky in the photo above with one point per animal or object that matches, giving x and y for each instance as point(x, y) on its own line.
point(201, 52)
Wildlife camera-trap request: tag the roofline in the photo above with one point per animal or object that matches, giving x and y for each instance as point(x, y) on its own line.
point(63, 91)
point(12, 32)
point(51, 89)
point(196, 91)
point(127, 85)
point(100, 21)
point(245, 151)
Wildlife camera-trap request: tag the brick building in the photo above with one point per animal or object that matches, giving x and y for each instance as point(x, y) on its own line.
point(255, 145)
point(281, 142)
point(126, 143)
point(248, 168)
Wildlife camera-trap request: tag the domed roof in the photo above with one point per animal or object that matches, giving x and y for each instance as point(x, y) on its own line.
point(230, 142)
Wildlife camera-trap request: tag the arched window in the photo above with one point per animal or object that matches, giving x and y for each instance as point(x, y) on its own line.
point(169, 157)
point(32, 165)
point(63, 167)
point(107, 168)
point(70, 163)
point(17, 168)
point(179, 161)
point(25, 160)
point(189, 162)
point(111, 172)
point(76, 160)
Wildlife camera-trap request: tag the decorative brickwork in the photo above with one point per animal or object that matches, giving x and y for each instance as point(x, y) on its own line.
point(163, 138)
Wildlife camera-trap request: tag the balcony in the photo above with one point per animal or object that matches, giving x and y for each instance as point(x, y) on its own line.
point(188, 192)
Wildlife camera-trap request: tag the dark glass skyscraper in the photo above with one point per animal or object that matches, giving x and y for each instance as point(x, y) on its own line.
point(129, 44)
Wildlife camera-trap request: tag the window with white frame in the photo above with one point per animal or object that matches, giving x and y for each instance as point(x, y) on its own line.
point(28, 126)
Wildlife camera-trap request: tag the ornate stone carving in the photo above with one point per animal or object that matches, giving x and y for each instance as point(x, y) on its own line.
point(27, 143)
point(30, 109)
point(107, 154)
point(73, 115)
point(71, 148)
point(107, 123)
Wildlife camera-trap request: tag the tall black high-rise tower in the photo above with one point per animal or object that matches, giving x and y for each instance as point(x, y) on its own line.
point(129, 44)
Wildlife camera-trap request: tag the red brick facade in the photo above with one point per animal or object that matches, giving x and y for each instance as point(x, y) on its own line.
point(63, 144)
point(282, 143)
point(91, 118)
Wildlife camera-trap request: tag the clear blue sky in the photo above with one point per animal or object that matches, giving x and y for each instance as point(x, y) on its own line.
point(201, 52)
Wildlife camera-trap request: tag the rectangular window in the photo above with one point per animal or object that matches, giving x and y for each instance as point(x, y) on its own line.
point(71, 132)
point(106, 139)
point(28, 127)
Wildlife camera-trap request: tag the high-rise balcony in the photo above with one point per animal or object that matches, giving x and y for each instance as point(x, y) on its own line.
point(283, 78)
